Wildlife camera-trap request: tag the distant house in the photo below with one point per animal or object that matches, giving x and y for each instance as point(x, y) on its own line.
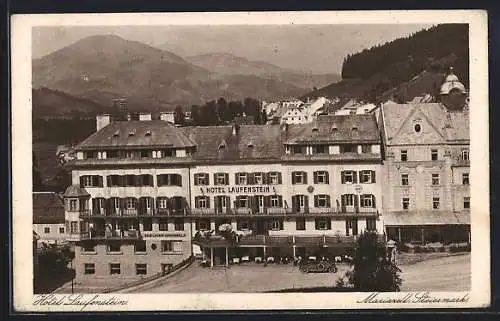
point(48, 218)
point(64, 154)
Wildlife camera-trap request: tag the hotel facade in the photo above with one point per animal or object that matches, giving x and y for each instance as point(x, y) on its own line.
point(142, 190)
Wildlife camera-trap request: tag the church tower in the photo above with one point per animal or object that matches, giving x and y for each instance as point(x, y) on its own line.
point(453, 94)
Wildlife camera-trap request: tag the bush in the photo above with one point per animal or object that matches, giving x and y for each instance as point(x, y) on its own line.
point(418, 249)
point(441, 249)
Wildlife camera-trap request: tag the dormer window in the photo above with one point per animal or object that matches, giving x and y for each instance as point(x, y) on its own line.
point(131, 133)
point(148, 133)
point(222, 146)
point(334, 129)
point(250, 144)
point(315, 129)
point(116, 134)
point(354, 129)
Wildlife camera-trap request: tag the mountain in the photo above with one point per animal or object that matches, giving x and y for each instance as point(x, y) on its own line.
point(229, 64)
point(102, 68)
point(404, 68)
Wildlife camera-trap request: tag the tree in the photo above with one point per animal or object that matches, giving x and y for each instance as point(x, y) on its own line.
point(235, 108)
point(196, 115)
point(222, 110)
point(252, 108)
point(373, 271)
point(179, 116)
point(209, 112)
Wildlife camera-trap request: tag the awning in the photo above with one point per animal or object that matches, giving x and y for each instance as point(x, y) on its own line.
point(418, 218)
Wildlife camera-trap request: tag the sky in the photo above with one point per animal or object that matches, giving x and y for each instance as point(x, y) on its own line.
point(309, 48)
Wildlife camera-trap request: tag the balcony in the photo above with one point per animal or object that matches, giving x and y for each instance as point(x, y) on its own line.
point(129, 212)
point(459, 162)
point(111, 235)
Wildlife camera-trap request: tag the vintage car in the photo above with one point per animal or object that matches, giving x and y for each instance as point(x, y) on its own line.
point(317, 266)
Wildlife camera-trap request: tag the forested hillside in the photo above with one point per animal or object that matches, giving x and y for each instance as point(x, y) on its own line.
point(392, 67)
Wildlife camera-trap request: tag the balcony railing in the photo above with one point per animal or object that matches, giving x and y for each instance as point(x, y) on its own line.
point(114, 234)
point(461, 162)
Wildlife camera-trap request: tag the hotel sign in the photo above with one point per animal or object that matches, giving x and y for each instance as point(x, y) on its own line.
point(244, 190)
point(162, 234)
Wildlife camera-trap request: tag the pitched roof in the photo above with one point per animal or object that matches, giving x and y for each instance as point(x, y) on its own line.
point(48, 208)
point(452, 125)
point(75, 191)
point(152, 133)
point(426, 218)
point(252, 142)
point(335, 129)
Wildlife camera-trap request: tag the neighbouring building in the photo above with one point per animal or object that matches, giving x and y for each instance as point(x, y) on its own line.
point(127, 210)
point(48, 218)
point(427, 162)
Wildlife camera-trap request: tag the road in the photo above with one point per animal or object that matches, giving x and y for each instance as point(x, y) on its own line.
point(442, 274)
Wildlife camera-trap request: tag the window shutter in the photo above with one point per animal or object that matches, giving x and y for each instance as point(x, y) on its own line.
point(196, 179)
point(217, 202)
point(373, 201)
point(236, 180)
point(315, 200)
point(280, 200)
point(151, 180)
point(328, 201)
point(355, 176)
point(215, 179)
point(328, 223)
point(342, 177)
point(281, 225)
point(343, 200)
point(305, 177)
point(373, 176)
point(295, 208)
point(266, 179)
point(250, 179)
point(327, 177)
point(315, 177)
point(228, 202)
point(108, 181)
point(356, 202)
point(254, 203)
point(293, 178)
point(95, 206)
point(208, 201)
point(306, 202)
point(179, 180)
point(267, 201)
point(137, 180)
point(122, 203)
point(81, 180)
point(279, 178)
point(100, 182)
point(316, 224)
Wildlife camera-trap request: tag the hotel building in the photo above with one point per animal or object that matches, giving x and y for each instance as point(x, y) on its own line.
point(143, 189)
point(427, 162)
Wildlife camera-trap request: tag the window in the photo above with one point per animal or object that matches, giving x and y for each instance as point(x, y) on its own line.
point(371, 224)
point(299, 150)
point(91, 181)
point(323, 224)
point(274, 178)
point(171, 246)
point(319, 149)
point(276, 225)
point(131, 203)
point(404, 179)
point(348, 177)
point(202, 225)
point(435, 179)
point(435, 203)
point(275, 201)
point(465, 179)
point(114, 268)
point(46, 230)
point(321, 201)
point(221, 179)
point(73, 227)
point(89, 268)
point(140, 247)
point(141, 269)
point(201, 179)
point(61, 230)
point(242, 225)
point(88, 246)
point(347, 199)
point(179, 224)
point(418, 128)
point(406, 203)
point(299, 178)
point(464, 155)
point(367, 200)
point(241, 201)
point(434, 154)
point(348, 148)
point(365, 149)
point(147, 224)
point(367, 177)
point(146, 153)
point(466, 202)
point(162, 202)
point(201, 202)
point(404, 155)
point(170, 180)
point(114, 180)
point(114, 247)
point(241, 178)
point(321, 177)
point(258, 178)
point(72, 205)
point(163, 224)
point(300, 224)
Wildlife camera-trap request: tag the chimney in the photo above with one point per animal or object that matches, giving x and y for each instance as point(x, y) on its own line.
point(144, 116)
point(102, 121)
